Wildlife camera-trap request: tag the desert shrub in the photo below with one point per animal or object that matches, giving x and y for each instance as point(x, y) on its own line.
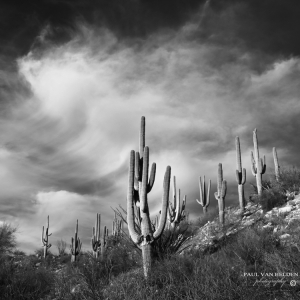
point(61, 247)
point(7, 239)
point(270, 199)
point(24, 281)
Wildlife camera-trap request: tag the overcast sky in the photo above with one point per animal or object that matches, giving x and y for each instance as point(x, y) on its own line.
point(76, 76)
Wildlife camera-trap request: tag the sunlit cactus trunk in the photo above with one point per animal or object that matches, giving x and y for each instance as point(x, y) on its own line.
point(220, 194)
point(75, 245)
point(240, 175)
point(147, 236)
point(258, 165)
point(45, 239)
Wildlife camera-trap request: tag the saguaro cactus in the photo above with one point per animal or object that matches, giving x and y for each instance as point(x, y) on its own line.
point(96, 242)
point(139, 162)
point(103, 242)
point(240, 174)
point(276, 163)
point(221, 193)
point(176, 214)
point(204, 197)
point(45, 241)
point(147, 236)
point(75, 245)
point(258, 166)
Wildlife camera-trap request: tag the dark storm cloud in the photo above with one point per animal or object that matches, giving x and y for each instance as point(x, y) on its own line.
point(265, 25)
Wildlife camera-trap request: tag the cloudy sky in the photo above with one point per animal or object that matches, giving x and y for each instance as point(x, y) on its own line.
point(76, 76)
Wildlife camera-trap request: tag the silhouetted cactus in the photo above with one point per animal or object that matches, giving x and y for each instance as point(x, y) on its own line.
point(75, 246)
point(276, 163)
point(147, 236)
point(96, 242)
point(204, 197)
point(240, 174)
point(258, 166)
point(221, 193)
point(176, 214)
point(45, 241)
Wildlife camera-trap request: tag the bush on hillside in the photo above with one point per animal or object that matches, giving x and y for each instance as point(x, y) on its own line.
point(7, 239)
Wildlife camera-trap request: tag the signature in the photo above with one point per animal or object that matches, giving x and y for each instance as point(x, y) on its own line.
point(268, 283)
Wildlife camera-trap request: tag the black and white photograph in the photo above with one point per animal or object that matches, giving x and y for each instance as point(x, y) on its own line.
point(149, 150)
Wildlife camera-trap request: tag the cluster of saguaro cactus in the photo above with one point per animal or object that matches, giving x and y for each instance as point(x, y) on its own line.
point(45, 241)
point(75, 246)
point(204, 197)
point(138, 178)
point(221, 193)
point(258, 165)
point(276, 163)
point(176, 214)
point(240, 174)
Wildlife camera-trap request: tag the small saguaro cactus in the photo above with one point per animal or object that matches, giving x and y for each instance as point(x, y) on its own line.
point(176, 214)
point(75, 245)
point(258, 165)
point(221, 193)
point(139, 161)
point(147, 236)
point(240, 174)
point(96, 242)
point(45, 241)
point(204, 197)
point(276, 163)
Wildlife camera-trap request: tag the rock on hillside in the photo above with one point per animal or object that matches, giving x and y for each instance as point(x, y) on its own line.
point(283, 222)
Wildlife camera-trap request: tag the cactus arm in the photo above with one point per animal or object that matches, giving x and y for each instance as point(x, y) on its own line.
point(255, 143)
point(238, 154)
point(130, 201)
point(142, 136)
point(152, 178)
point(143, 200)
point(243, 181)
point(208, 194)
point(276, 164)
point(202, 200)
point(263, 165)
point(165, 204)
point(177, 214)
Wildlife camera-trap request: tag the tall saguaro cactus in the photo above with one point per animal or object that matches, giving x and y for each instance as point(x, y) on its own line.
point(221, 193)
point(147, 236)
point(176, 213)
point(276, 163)
point(204, 197)
point(240, 174)
point(96, 242)
point(45, 241)
point(258, 165)
point(139, 162)
point(75, 245)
